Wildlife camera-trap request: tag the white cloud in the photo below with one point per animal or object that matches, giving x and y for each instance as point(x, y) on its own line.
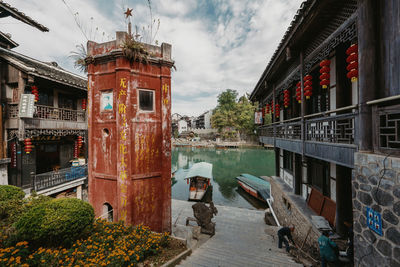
point(229, 48)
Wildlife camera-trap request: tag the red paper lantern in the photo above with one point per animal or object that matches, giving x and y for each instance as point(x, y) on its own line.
point(35, 92)
point(352, 60)
point(80, 141)
point(28, 145)
point(286, 98)
point(298, 92)
point(308, 86)
point(277, 110)
point(325, 69)
point(84, 103)
point(267, 110)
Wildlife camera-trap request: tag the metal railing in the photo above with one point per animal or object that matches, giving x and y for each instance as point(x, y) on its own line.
point(49, 179)
point(322, 127)
point(50, 113)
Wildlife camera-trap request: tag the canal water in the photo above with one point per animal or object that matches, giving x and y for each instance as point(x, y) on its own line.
point(227, 165)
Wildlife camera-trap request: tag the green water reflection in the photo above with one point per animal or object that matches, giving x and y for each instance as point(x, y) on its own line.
point(227, 165)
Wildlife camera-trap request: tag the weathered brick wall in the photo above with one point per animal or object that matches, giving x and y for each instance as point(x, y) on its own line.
point(370, 248)
point(291, 210)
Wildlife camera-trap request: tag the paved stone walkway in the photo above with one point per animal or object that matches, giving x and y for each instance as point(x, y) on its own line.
point(241, 239)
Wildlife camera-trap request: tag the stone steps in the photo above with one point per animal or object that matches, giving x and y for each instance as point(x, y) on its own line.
point(240, 240)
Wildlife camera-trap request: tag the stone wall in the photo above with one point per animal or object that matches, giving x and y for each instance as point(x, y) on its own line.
point(291, 209)
point(376, 184)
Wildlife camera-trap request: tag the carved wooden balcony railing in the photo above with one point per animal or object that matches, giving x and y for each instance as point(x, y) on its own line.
point(50, 179)
point(322, 127)
point(50, 113)
point(386, 125)
point(331, 129)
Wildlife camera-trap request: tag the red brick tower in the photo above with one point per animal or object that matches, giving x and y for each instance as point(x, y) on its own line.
point(129, 134)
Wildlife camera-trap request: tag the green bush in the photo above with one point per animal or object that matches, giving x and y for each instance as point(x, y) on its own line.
point(10, 192)
point(56, 222)
point(11, 201)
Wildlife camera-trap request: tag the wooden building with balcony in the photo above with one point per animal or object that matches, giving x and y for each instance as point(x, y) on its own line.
point(332, 90)
point(57, 129)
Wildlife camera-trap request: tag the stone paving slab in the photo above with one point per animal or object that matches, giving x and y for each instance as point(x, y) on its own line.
point(240, 239)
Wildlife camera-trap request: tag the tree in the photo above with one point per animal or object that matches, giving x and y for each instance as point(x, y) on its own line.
point(227, 99)
point(231, 117)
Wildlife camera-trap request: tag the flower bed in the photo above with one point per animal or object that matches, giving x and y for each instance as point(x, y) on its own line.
point(110, 244)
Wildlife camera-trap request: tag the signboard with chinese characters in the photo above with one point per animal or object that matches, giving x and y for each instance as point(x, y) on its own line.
point(258, 117)
point(374, 220)
point(26, 106)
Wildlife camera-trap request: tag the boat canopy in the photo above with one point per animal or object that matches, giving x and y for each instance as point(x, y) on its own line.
point(263, 187)
point(202, 169)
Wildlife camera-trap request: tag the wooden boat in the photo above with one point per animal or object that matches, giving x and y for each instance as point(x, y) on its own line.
point(255, 186)
point(199, 178)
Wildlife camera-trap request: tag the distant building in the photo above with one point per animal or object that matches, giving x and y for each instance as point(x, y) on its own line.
point(182, 126)
point(204, 120)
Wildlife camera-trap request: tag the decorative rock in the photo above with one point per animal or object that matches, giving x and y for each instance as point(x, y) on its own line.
point(355, 185)
point(376, 208)
point(365, 198)
point(384, 247)
point(394, 263)
point(363, 221)
point(362, 179)
point(382, 198)
point(395, 164)
point(365, 187)
point(393, 235)
point(396, 208)
point(356, 204)
point(369, 236)
point(390, 217)
point(373, 180)
point(396, 192)
point(396, 253)
point(366, 171)
point(386, 184)
point(390, 174)
point(357, 227)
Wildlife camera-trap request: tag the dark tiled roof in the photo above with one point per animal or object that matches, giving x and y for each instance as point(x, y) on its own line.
point(7, 10)
point(297, 20)
point(50, 71)
point(7, 41)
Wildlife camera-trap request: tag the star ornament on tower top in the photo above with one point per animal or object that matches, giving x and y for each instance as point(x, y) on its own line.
point(128, 12)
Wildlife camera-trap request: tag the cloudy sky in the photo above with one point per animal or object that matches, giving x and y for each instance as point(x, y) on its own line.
point(217, 44)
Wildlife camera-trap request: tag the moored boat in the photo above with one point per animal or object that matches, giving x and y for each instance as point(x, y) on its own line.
point(255, 186)
point(199, 178)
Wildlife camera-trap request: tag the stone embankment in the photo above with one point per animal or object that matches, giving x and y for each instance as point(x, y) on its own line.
point(179, 142)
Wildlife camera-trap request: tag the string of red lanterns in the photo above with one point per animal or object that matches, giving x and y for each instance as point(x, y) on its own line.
point(308, 86)
point(286, 98)
point(28, 145)
point(84, 103)
point(277, 110)
point(272, 107)
point(35, 92)
point(267, 109)
point(352, 60)
point(80, 141)
point(298, 92)
point(325, 76)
